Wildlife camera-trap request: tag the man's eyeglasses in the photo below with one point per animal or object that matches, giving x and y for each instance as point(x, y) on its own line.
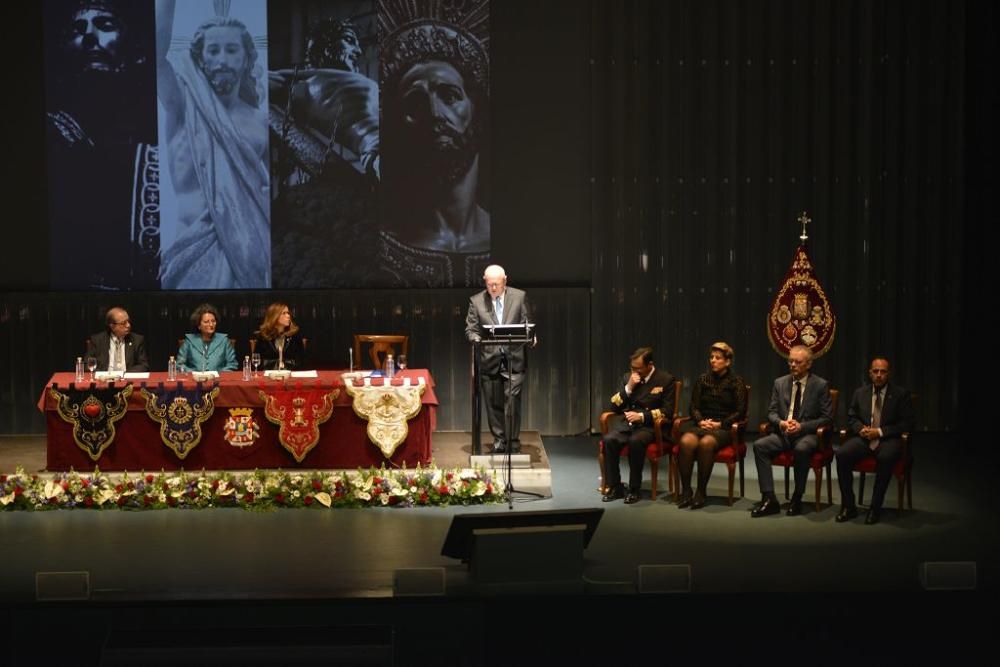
point(122, 323)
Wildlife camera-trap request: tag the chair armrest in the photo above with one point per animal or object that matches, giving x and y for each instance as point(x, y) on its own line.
point(765, 428)
point(675, 430)
point(658, 429)
point(605, 416)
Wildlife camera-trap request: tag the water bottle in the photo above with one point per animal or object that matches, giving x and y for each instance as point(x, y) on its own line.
point(390, 367)
point(171, 369)
point(246, 368)
point(79, 369)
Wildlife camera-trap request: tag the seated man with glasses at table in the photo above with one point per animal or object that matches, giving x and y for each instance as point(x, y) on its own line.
point(118, 349)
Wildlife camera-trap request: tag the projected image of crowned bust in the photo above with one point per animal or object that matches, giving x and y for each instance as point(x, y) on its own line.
point(435, 228)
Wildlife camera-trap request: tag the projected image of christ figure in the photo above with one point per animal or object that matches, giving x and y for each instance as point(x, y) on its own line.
point(210, 87)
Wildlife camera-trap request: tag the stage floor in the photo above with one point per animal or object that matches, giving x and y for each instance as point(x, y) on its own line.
point(807, 569)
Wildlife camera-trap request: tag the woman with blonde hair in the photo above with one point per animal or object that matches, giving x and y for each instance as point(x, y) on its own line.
point(278, 343)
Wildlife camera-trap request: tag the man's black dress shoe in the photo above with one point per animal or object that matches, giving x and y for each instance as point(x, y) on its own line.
point(515, 446)
point(698, 502)
point(685, 501)
point(846, 514)
point(499, 447)
point(768, 506)
point(794, 507)
point(614, 493)
point(631, 498)
point(872, 517)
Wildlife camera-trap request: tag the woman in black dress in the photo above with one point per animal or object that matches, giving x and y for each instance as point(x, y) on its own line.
point(718, 400)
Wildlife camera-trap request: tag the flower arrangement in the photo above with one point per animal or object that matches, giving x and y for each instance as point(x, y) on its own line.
point(258, 490)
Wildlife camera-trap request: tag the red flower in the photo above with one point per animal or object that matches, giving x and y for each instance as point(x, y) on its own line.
point(149, 479)
point(215, 484)
point(248, 497)
point(449, 476)
point(377, 480)
point(377, 491)
point(3, 479)
point(280, 498)
point(18, 491)
point(88, 501)
point(85, 482)
point(131, 486)
point(65, 485)
point(424, 498)
point(146, 500)
point(308, 500)
point(171, 501)
point(192, 493)
point(443, 489)
point(489, 488)
point(317, 485)
point(118, 488)
point(393, 500)
point(120, 501)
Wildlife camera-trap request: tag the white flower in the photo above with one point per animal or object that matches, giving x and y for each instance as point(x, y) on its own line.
point(8, 499)
point(324, 498)
point(384, 499)
point(162, 498)
point(295, 493)
point(478, 488)
point(467, 474)
point(53, 490)
point(362, 495)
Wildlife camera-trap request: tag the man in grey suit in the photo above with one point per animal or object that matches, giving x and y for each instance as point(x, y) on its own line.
point(500, 365)
point(800, 405)
point(880, 413)
point(117, 348)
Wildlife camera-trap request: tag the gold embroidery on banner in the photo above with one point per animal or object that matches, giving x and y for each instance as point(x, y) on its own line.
point(387, 409)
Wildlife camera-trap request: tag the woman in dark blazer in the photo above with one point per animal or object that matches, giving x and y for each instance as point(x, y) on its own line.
point(278, 343)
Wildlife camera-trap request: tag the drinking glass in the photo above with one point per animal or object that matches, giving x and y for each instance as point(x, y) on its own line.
point(91, 366)
point(255, 361)
point(402, 362)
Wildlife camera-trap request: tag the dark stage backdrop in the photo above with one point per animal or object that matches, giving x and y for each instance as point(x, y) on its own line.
point(653, 155)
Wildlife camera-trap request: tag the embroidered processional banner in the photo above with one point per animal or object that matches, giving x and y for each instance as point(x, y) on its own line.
point(180, 412)
point(93, 412)
point(801, 314)
point(298, 414)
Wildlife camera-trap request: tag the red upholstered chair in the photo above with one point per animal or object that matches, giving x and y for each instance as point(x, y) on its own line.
point(654, 451)
point(821, 458)
point(732, 454)
point(901, 471)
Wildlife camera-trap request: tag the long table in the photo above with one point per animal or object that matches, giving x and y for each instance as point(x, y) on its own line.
point(137, 445)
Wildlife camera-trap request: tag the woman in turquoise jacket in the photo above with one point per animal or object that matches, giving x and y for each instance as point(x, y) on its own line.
point(206, 350)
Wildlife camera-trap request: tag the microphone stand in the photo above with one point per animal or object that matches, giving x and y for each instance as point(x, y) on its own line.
point(506, 385)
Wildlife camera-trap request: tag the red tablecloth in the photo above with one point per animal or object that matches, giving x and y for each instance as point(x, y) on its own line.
point(137, 445)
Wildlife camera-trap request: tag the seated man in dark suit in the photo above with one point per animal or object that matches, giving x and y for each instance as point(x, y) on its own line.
point(648, 393)
point(117, 348)
point(800, 404)
point(880, 413)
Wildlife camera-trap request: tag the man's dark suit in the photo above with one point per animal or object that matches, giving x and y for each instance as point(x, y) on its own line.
point(653, 399)
point(135, 352)
point(816, 410)
point(897, 418)
point(499, 364)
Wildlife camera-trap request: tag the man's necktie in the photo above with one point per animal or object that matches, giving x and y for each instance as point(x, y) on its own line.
point(119, 355)
point(498, 306)
point(876, 416)
point(797, 401)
